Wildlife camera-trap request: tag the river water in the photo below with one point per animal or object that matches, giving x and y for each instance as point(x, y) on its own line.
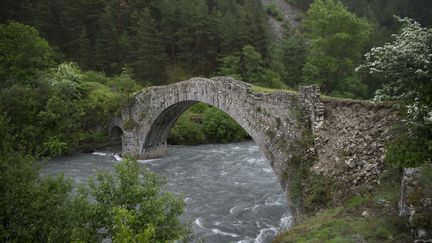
point(230, 190)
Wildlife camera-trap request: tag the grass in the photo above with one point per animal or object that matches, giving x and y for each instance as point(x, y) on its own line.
point(346, 224)
point(259, 89)
point(340, 225)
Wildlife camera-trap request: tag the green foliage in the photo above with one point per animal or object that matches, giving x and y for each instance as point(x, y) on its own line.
point(411, 152)
point(33, 209)
point(55, 146)
point(66, 81)
point(273, 10)
point(319, 192)
point(251, 64)
point(57, 110)
point(382, 12)
point(187, 130)
point(23, 54)
point(133, 205)
point(149, 36)
point(405, 64)
point(205, 124)
point(147, 55)
point(231, 67)
point(356, 201)
point(337, 41)
point(123, 221)
point(130, 206)
point(219, 127)
point(288, 58)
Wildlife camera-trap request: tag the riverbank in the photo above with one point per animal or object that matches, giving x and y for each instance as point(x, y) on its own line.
point(371, 216)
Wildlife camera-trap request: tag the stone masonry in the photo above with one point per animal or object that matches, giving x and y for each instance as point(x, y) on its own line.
point(349, 135)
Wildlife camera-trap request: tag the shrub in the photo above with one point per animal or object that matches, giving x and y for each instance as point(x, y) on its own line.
point(219, 127)
point(205, 124)
point(273, 10)
point(129, 206)
point(186, 131)
point(130, 125)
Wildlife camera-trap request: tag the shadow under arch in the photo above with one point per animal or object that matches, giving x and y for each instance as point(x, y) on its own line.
point(115, 133)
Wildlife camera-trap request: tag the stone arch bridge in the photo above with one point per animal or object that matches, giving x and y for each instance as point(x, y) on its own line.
point(276, 121)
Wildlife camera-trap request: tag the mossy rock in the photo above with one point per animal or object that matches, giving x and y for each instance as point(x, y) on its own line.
point(130, 125)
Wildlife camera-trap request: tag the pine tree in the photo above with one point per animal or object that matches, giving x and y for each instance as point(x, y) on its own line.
point(108, 42)
point(147, 55)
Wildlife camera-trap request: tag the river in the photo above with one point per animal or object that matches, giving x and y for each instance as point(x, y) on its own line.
point(230, 190)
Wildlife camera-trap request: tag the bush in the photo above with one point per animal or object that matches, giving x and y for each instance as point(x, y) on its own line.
point(130, 205)
point(24, 54)
point(273, 10)
point(186, 131)
point(412, 152)
point(405, 65)
point(221, 128)
point(133, 205)
point(54, 146)
point(205, 124)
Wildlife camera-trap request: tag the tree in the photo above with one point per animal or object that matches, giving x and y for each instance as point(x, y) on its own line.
point(109, 47)
point(230, 67)
point(406, 65)
point(23, 54)
point(288, 58)
point(251, 64)
point(147, 55)
point(125, 86)
point(337, 41)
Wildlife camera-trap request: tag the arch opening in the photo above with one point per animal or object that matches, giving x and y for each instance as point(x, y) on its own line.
point(159, 134)
point(116, 134)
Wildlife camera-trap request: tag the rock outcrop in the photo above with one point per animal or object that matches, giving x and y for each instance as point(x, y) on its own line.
point(416, 204)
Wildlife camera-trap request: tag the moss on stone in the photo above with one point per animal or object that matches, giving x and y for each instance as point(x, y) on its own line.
point(259, 89)
point(130, 125)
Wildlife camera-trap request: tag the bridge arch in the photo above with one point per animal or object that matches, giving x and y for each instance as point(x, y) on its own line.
point(116, 133)
point(155, 142)
point(275, 121)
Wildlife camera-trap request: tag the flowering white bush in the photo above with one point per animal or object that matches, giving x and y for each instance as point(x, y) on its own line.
point(406, 64)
